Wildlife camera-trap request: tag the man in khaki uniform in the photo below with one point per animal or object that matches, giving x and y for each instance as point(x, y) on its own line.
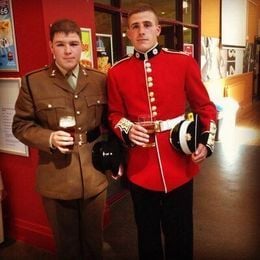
point(73, 191)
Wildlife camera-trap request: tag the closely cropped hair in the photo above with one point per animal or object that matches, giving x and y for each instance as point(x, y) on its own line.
point(66, 26)
point(141, 7)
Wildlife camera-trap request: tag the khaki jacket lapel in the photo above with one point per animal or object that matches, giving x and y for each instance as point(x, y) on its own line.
point(82, 80)
point(58, 78)
point(60, 81)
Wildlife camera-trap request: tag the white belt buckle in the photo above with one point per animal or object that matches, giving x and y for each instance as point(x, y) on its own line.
point(161, 126)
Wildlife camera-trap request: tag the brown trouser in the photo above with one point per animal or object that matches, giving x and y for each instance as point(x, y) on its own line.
point(77, 226)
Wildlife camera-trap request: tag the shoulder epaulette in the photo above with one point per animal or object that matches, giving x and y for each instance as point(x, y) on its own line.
point(174, 51)
point(125, 58)
point(86, 68)
point(37, 70)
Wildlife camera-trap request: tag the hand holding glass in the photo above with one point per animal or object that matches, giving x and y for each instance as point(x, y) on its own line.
point(67, 124)
point(148, 124)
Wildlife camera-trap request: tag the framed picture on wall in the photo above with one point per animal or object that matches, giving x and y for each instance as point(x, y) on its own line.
point(8, 52)
point(188, 48)
point(104, 51)
point(231, 62)
point(9, 90)
point(87, 52)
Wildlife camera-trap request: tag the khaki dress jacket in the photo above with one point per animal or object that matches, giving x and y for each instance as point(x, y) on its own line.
point(44, 97)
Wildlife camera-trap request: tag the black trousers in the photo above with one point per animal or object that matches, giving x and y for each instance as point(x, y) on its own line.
point(77, 226)
point(164, 222)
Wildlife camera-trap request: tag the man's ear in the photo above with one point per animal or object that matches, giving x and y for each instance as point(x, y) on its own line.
point(51, 48)
point(158, 30)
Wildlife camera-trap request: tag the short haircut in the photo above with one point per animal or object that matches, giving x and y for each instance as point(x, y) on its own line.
point(66, 26)
point(141, 7)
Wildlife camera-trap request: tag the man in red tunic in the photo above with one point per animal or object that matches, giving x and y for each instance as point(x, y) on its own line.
point(159, 83)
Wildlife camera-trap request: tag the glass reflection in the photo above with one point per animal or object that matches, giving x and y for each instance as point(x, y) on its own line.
point(187, 35)
point(187, 11)
point(103, 22)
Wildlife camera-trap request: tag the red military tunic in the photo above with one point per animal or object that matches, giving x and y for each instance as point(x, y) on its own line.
point(159, 83)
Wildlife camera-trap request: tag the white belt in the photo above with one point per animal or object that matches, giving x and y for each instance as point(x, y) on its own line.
point(161, 126)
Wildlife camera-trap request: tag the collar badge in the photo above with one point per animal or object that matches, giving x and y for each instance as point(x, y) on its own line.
point(53, 73)
point(155, 51)
point(84, 72)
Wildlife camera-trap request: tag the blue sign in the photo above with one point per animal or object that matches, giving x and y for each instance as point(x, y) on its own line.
point(8, 54)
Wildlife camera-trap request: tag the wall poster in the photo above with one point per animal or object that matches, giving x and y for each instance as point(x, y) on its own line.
point(104, 51)
point(9, 90)
point(8, 52)
point(213, 59)
point(231, 62)
point(87, 51)
point(249, 57)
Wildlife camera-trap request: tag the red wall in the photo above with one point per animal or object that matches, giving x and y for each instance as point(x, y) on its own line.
point(24, 216)
point(82, 11)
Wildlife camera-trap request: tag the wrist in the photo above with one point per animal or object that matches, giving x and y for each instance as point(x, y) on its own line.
point(124, 125)
point(50, 141)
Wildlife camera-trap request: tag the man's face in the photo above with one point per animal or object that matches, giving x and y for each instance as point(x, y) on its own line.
point(143, 30)
point(66, 49)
